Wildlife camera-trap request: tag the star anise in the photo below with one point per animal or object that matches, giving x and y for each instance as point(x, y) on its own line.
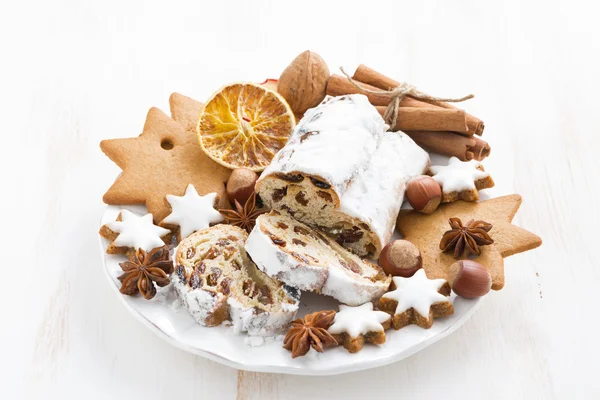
point(244, 217)
point(310, 331)
point(142, 269)
point(466, 238)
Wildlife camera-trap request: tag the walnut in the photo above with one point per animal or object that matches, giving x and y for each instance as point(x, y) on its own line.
point(304, 81)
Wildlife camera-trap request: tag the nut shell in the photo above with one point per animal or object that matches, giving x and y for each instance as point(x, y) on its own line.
point(469, 279)
point(240, 185)
point(400, 258)
point(424, 194)
point(303, 82)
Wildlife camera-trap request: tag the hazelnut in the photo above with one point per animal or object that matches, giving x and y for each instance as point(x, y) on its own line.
point(303, 82)
point(424, 194)
point(400, 258)
point(240, 185)
point(469, 279)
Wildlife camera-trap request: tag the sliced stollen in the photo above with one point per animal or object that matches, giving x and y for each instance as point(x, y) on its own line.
point(299, 256)
point(343, 173)
point(216, 280)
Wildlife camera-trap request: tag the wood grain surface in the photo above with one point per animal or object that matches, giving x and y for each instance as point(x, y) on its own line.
point(75, 72)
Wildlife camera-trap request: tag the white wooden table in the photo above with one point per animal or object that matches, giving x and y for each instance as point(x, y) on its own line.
point(73, 73)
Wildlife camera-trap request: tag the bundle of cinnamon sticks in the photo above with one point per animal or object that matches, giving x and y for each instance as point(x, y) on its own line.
point(437, 127)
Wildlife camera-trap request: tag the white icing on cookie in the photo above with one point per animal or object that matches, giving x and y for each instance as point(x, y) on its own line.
point(137, 231)
point(358, 320)
point(192, 212)
point(458, 175)
point(417, 292)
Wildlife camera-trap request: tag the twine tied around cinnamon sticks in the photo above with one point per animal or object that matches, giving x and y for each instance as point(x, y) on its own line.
point(398, 93)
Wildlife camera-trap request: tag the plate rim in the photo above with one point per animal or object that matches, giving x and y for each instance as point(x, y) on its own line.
point(329, 371)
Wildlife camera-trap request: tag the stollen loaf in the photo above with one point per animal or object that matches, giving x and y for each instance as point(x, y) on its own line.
point(342, 173)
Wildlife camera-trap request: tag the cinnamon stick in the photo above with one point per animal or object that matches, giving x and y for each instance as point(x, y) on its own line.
point(428, 119)
point(371, 77)
point(338, 85)
point(451, 144)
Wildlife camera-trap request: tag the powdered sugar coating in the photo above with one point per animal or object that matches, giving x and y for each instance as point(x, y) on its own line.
point(344, 142)
point(346, 134)
point(247, 319)
point(417, 292)
point(458, 175)
point(199, 303)
point(359, 320)
point(138, 232)
point(376, 194)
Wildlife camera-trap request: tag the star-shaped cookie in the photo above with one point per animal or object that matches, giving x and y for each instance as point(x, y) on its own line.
point(191, 212)
point(416, 300)
point(131, 232)
point(164, 159)
point(353, 326)
point(426, 231)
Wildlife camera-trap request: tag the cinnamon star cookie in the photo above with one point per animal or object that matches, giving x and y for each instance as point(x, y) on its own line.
point(426, 231)
point(416, 300)
point(164, 159)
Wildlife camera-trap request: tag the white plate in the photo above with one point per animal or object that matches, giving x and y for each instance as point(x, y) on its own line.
point(221, 344)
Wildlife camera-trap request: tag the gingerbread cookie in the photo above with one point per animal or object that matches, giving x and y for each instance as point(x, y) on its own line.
point(426, 232)
point(191, 212)
point(461, 180)
point(164, 159)
point(130, 232)
point(416, 300)
point(353, 326)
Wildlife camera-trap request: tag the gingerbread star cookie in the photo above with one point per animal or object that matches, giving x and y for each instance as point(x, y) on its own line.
point(416, 300)
point(461, 180)
point(164, 159)
point(426, 232)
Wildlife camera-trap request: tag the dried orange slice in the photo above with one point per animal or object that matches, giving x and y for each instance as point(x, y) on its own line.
point(243, 125)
